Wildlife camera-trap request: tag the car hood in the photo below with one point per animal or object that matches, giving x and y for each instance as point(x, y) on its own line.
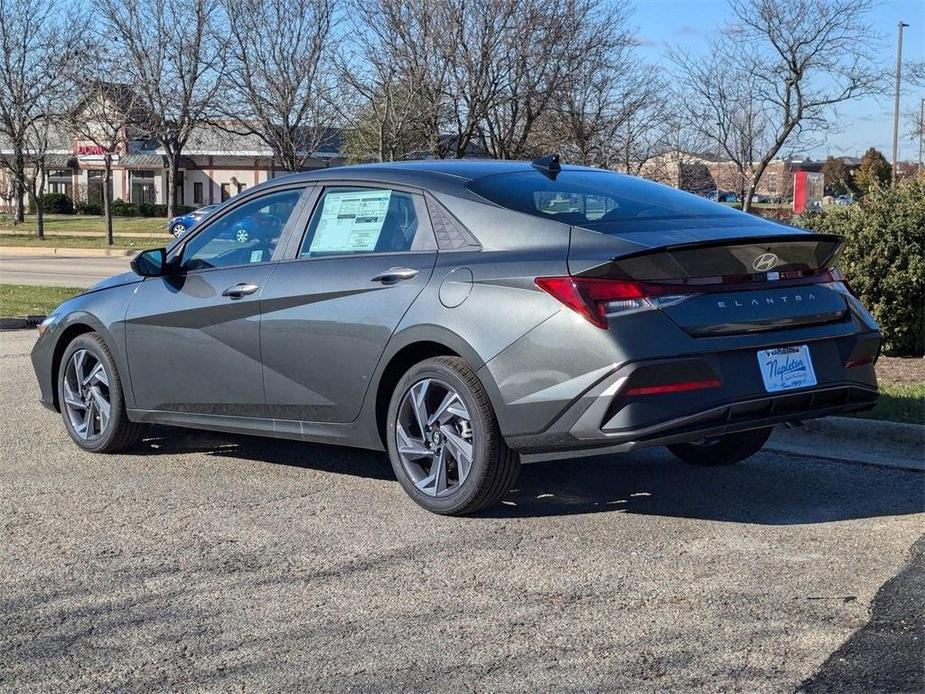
point(114, 281)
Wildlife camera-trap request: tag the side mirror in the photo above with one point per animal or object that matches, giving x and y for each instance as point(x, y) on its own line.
point(150, 263)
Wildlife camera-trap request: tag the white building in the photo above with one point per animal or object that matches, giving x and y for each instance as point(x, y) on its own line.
point(215, 165)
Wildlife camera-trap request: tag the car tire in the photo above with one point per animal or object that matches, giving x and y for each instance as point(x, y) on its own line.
point(492, 468)
point(722, 450)
point(101, 432)
point(178, 230)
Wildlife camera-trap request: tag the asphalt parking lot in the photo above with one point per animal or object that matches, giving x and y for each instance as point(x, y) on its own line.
point(212, 562)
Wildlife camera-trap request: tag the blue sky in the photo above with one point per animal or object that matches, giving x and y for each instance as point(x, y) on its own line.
point(865, 122)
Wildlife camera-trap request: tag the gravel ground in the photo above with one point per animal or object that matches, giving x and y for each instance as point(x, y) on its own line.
point(213, 562)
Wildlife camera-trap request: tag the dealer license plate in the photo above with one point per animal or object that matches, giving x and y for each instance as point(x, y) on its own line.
point(786, 368)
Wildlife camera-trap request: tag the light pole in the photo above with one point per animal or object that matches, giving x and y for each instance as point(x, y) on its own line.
point(899, 67)
point(921, 134)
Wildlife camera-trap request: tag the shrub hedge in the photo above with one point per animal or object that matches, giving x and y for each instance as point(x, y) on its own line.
point(54, 203)
point(884, 258)
point(59, 203)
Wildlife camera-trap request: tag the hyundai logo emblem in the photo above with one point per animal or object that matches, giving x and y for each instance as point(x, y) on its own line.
point(765, 262)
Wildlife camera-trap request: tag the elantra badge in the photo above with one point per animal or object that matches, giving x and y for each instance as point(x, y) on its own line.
point(765, 262)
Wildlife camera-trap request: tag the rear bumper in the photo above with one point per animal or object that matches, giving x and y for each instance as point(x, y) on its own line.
point(607, 415)
point(715, 421)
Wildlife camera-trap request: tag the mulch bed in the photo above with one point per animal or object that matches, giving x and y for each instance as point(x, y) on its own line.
point(891, 370)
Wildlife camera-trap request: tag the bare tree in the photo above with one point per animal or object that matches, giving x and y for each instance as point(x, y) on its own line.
point(102, 114)
point(775, 75)
point(726, 106)
point(543, 50)
point(35, 152)
point(175, 57)
point(600, 98)
point(473, 46)
point(642, 135)
point(680, 160)
point(36, 44)
point(279, 84)
point(390, 69)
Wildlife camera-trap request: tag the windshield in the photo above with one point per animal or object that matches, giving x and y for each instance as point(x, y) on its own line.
point(598, 200)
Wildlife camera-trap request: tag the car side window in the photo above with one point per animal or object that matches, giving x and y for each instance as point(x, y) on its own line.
point(246, 234)
point(350, 221)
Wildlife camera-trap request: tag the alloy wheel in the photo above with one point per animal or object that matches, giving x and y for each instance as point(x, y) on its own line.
point(179, 229)
point(86, 395)
point(434, 437)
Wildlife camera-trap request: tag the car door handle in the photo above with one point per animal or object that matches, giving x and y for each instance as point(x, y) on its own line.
point(395, 274)
point(240, 289)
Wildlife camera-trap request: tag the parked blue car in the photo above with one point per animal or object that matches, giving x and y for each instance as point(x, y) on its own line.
point(184, 222)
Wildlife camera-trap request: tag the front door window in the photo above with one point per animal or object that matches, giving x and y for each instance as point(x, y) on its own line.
point(247, 234)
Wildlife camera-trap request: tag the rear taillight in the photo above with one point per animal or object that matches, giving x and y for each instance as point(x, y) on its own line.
point(596, 299)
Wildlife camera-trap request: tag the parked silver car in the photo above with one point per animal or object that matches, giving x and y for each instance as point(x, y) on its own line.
point(463, 315)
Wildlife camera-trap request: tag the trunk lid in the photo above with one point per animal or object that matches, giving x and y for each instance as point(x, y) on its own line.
point(737, 283)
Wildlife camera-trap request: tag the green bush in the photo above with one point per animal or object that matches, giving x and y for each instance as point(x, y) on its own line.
point(54, 203)
point(884, 258)
point(93, 208)
point(149, 209)
point(120, 208)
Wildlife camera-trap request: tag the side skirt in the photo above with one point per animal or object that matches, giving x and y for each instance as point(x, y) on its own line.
point(338, 434)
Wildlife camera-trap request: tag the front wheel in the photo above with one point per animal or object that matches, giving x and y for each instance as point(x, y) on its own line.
point(90, 394)
point(444, 442)
point(722, 450)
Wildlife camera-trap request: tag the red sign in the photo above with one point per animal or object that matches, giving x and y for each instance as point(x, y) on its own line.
point(83, 149)
point(807, 191)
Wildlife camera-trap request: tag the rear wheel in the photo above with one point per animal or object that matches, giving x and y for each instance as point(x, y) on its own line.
point(444, 442)
point(90, 393)
point(722, 450)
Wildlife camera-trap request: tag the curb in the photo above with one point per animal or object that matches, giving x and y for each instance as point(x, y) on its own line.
point(869, 441)
point(69, 252)
point(20, 322)
point(856, 428)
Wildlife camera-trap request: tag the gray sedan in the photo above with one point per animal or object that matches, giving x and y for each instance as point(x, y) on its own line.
point(464, 316)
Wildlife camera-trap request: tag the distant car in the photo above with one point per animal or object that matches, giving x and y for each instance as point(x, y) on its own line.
point(844, 200)
point(183, 223)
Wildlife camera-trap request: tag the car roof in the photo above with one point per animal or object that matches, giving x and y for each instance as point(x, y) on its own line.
point(448, 175)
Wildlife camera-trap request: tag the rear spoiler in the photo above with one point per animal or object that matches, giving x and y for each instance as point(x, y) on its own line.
point(719, 260)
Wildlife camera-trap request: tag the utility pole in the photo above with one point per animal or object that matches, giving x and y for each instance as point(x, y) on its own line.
point(899, 67)
point(921, 134)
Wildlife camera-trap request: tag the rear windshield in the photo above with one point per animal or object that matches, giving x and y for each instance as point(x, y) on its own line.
point(594, 199)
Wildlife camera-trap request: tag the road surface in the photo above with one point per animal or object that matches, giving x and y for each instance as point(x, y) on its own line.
point(212, 562)
point(59, 270)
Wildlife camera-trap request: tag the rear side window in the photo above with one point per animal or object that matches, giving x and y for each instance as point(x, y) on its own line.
point(349, 221)
point(593, 199)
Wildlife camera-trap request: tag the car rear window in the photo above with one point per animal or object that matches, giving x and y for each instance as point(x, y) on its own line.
point(599, 200)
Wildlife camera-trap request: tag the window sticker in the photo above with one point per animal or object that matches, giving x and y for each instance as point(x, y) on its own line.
point(351, 221)
point(256, 256)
